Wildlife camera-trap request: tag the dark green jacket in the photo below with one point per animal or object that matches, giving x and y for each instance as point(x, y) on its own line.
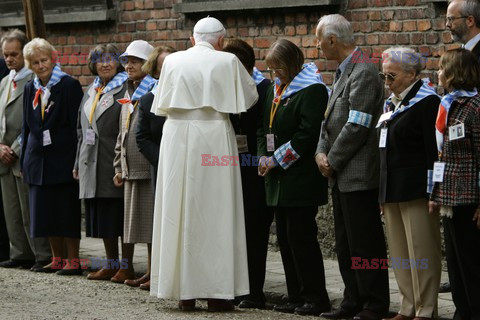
point(298, 119)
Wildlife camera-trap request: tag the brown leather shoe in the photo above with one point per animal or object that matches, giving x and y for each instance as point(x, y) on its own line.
point(186, 305)
point(122, 275)
point(137, 282)
point(220, 305)
point(399, 316)
point(145, 286)
point(102, 274)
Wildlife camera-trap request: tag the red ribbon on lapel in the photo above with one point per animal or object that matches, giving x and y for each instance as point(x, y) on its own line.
point(123, 101)
point(37, 98)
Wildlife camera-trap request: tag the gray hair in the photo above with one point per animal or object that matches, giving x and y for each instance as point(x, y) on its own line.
point(407, 58)
point(211, 38)
point(470, 8)
point(337, 25)
point(38, 44)
point(14, 34)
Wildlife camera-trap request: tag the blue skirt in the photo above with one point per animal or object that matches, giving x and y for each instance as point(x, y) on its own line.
point(104, 217)
point(55, 210)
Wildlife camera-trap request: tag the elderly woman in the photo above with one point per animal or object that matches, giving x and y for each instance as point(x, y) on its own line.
point(49, 132)
point(97, 132)
point(132, 169)
point(456, 192)
point(407, 150)
point(293, 111)
point(148, 135)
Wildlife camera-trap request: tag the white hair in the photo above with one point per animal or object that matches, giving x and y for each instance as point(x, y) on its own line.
point(406, 57)
point(35, 45)
point(211, 38)
point(337, 25)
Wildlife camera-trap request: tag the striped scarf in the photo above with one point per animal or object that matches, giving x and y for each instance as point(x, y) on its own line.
point(306, 77)
point(443, 109)
point(116, 82)
point(257, 75)
point(145, 86)
point(425, 90)
point(44, 92)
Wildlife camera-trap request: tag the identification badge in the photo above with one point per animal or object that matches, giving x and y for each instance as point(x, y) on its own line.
point(384, 117)
point(46, 138)
point(323, 134)
point(270, 142)
point(90, 137)
point(456, 132)
point(242, 143)
point(383, 138)
point(438, 171)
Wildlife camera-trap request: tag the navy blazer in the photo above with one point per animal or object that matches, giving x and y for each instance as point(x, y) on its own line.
point(51, 164)
point(149, 131)
point(3, 69)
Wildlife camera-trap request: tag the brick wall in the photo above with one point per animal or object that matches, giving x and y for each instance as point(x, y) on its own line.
point(378, 24)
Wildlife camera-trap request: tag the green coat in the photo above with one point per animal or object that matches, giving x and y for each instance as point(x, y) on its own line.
point(298, 119)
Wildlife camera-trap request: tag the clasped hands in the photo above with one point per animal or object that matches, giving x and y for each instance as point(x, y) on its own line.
point(265, 164)
point(323, 165)
point(7, 155)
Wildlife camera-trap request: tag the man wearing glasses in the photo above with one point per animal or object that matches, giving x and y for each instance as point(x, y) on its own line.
point(463, 22)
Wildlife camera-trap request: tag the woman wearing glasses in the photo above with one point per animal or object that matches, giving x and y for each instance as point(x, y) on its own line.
point(407, 152)
point(287, 138)
point(456, 193)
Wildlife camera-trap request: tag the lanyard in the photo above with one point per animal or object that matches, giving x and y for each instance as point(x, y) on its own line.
point(94, 106)
point(130, 114)
point(274, 108)
point(43, 109)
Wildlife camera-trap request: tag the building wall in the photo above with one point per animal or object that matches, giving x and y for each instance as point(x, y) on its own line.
point(378, 24)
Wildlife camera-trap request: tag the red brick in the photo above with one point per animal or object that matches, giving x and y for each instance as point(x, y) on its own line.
point(332, 65)
point(277, 30)
point(359, 39)
point(162, 25)
point(243, 32)
point(372, 39)
point(253, 31)
point(431, 38)
point(263, 42)
point(388, 14)
point(452, 46)
point(416, 13)
point(395, 26)
point(432, 64)
point(289, 18)
point(357, 4)
point(309, 41)
point(402, 38)
point(139, 4)
point(128, 5)
point(424, 25)
point(301, 29)
point(321, 65)
point(409, 26)
point(158, 4)
point(300, 18)
point(359, 16)
point(361, 27)
point(387, 38)
point(402, 14)
point(141, 26)
point(438, 24)
point(417, 38)
point(382, 3)
point(447, 37)
point(172, 25)
point(85, 70)
point(438, 51)
point(266, 31)
point(380, 26)
point(311, 54)
point(104, 38)
point(151, 25)
point(123, 37)
point(425, 51)
point(148, 4)
point(289, 30)
point(374, 15)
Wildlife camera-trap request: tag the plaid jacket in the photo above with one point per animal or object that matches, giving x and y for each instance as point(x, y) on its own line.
point(460, 184)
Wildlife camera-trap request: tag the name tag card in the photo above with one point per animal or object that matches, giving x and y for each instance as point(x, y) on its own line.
point(46, 138)
point(438, 171)
point(242, 143)
point(383, 138)
point(270, 142)
point(90, 138)
point(456, 132)
point(384, 117)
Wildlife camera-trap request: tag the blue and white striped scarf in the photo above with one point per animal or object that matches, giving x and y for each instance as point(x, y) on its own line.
point(257, 75)
point(116, 82)
point(145, 86)
point(57, 75)
point(305, 78)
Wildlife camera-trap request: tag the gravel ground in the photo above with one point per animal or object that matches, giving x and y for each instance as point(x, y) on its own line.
point(28, 295)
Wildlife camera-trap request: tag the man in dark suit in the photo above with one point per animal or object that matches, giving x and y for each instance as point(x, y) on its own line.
point(3, 69)
point(347, 154)
point(463, 22)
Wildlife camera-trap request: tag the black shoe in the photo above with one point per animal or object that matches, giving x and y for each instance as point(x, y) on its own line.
point(23, 264)
point(311, 309)
point(369, 315)
point(250, 304)
point(288, 307)
point(39, 265)
point(444, 287)
point(338, 314)
point(70, 272)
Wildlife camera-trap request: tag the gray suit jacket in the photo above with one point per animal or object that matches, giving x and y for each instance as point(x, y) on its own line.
point(10, 135)
point(351, 148)
point(94, 162)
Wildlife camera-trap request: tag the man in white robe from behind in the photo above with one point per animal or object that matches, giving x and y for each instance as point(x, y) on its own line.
point(199, 247)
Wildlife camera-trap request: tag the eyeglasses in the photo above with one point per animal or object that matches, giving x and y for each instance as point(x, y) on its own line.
point(276, 70)
point(451, 19)
point(387, 76)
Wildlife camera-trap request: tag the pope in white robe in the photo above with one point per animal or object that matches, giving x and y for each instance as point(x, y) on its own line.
point(199, 247)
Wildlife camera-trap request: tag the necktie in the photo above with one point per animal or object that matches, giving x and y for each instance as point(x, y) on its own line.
point(338, 73)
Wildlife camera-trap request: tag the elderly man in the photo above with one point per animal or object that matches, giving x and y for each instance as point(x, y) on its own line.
point(25, 250)
point(463, 21)
point(199, 248)
point(347, 154)
point(4, 242)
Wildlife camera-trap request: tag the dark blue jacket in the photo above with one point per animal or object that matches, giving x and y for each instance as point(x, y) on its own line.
point(51, 164)
point(3, 69)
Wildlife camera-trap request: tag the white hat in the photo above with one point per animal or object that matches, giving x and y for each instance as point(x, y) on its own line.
point(138, 48)
point(208, 25)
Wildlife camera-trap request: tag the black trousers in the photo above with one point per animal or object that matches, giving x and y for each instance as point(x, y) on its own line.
point(257, 229)
point(4, 240)
point(301, 255)
point(359, 233)
point(462, 244)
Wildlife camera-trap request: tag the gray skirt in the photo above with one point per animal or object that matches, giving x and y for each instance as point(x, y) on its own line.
point(139, 202)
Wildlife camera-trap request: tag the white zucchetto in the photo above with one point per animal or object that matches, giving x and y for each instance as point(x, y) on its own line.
point(208, 25)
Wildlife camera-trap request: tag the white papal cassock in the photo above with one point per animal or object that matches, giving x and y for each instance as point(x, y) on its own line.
point(199, 248)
